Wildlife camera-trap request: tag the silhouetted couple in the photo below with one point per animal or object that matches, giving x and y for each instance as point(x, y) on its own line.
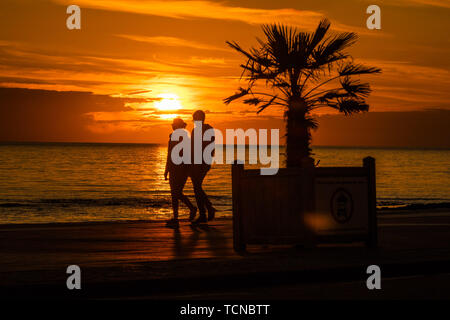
point(178, 173)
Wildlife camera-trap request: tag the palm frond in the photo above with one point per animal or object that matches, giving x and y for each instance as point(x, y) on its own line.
point(331, 50)
point(280, 42)
point(238, 48)
point(339, 42)
point(328, 96)
point(355, 88)
point(241, 92)
point(319, 34)
point(351, 106)
point(264, 106)
point(253, 101)
point(350, 69)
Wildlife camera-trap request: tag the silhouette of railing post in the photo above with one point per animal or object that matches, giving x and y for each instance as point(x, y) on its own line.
point(369, 164)
point(237, 170)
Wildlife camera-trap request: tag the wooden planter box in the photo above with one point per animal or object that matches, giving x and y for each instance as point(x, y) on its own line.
point(304, 206)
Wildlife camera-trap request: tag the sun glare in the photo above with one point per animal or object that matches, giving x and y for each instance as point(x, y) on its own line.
point(169, 101)
point(168, 116)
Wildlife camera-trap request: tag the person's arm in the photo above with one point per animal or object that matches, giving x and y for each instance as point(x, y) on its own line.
point(213, 140)
point(166, 171)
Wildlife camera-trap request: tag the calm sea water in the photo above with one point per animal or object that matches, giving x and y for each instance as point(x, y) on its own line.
point(42, 183)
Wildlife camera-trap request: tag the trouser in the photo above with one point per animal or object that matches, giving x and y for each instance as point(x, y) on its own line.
point(198, 174)
point(177, 180)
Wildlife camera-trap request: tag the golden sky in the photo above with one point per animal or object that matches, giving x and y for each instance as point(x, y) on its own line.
point(173, 54)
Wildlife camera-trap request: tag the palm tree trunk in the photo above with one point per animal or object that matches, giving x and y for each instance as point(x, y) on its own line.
point(298, 135)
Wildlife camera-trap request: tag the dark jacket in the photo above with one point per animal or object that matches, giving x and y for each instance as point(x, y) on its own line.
point(170, 166)
point(205, 127)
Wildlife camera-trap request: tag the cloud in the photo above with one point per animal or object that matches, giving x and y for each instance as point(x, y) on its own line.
point(44, 115)
point(407, 85)
point(304, 19)
point(171, 42)
point(432, 3)
point(217, 62)
point(21, 66)
point(423, 128)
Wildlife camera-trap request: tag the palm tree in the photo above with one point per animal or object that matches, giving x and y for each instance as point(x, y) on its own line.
point(303, 72)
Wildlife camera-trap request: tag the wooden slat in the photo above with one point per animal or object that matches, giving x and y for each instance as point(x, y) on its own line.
point(369, 165)
point(236, 172)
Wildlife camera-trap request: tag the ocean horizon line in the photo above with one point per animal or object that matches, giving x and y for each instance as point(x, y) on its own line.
point(247, 145)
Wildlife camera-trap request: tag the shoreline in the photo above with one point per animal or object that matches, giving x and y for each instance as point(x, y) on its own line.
point(419, 212)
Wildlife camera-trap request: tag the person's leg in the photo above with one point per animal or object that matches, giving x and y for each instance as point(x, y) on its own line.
point(207, 202)
point(199, 197)
point(197, 180)
point(175, 207)
point(175, 195)
point(187, 202)
point(183, 198)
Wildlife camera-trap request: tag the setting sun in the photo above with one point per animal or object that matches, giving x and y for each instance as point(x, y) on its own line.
point(169, 101)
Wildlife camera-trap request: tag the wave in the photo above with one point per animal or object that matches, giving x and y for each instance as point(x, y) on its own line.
point(132, 202)
point(135, 202)
point(415, 206)
point(410, 203)
point(163, 200)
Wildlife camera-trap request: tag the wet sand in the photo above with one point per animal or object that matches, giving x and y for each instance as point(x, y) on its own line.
point(146, 259)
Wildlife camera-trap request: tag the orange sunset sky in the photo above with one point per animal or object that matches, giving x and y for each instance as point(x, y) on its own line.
point(146, 61)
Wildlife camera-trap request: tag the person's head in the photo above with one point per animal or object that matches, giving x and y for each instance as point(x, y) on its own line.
point(178, 123)
point(199, 115)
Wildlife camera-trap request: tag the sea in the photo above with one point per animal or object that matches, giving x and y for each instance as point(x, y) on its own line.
point(87, 182)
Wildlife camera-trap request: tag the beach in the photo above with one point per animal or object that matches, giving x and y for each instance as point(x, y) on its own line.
point(145, 259)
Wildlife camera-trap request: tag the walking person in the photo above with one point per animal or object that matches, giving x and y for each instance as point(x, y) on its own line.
point(178, 174)
point(200, 169)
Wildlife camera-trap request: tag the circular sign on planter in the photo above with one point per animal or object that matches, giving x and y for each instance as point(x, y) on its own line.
point(342, 205)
